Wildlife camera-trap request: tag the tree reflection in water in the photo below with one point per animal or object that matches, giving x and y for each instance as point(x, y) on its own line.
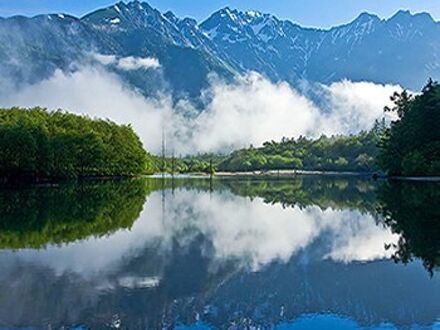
point(312, 241)
point(412, 210)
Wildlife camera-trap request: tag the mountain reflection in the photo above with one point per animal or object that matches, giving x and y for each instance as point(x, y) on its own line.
point(228, 252)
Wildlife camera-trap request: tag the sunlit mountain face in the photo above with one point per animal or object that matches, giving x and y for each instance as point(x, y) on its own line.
point(228, 43)
point(303, 253)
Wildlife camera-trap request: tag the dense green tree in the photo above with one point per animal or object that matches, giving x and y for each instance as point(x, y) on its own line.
point(335, 153)
point(36, 143)
point(411, 146)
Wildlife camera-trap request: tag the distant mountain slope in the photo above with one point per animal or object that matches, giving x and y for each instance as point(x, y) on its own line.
point(404, 49)
point(31, 48)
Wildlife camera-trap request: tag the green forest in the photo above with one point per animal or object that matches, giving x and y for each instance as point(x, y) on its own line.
point(36, 143)
point(355, 153)
point(411, 145)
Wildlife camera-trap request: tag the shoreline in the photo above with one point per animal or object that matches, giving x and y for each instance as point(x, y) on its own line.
point(291, 173)
point(273, 174)
point(52, 182)
point(415, 178)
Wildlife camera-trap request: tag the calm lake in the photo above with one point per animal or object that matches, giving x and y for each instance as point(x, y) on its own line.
point(304, 253)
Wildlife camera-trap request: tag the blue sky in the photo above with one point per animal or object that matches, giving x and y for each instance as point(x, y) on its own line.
point(320, 13)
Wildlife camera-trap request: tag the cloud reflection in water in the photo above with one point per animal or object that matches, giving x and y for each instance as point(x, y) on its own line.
point(246, 231)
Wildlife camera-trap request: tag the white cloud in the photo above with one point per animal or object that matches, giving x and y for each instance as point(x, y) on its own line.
point(253, 110)
point(129, 63)
point(136, 63)
point(355, 106)
point(250, 110)
point(105, 59)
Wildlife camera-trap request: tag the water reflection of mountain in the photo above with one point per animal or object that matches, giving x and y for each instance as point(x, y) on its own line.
point(188, 289)
point(206, 250)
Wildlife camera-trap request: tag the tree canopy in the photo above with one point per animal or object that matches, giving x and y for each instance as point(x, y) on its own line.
point(41, 144)
point(411, 146)
point(334, 153)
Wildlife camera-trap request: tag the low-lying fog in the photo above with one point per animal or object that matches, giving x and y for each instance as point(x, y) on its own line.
point(249, 110)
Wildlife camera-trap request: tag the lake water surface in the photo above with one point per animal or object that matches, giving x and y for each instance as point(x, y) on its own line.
point(304, 253)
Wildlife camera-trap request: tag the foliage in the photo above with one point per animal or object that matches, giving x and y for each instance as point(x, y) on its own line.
point(204, 163)
point(200, 163)
point(336, 153)
point(40, 144)
point(411, 146)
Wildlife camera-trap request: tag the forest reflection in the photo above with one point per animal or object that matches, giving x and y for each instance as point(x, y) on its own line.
point(409, 209)
point(35, 217)
point(153, 253)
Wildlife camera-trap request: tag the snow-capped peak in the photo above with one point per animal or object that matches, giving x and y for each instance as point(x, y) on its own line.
point(233, 25)
point(253, 13)
point(229, 13)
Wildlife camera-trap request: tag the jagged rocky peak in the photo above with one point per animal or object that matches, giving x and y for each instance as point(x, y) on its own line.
point(118, 7)
point(253, 13)
point(232, 25)
point(228, 15)
point(120, 12)
point(169, 15)
point(366, 17)
point(188, 21)
point(133, 6)
point(355, 31)
point(140, 6)
point(405, 17)
point(113, 14)
point(401, 15)
point(224, 16)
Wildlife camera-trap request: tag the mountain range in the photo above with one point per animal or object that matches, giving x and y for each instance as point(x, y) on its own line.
point(404, 49)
